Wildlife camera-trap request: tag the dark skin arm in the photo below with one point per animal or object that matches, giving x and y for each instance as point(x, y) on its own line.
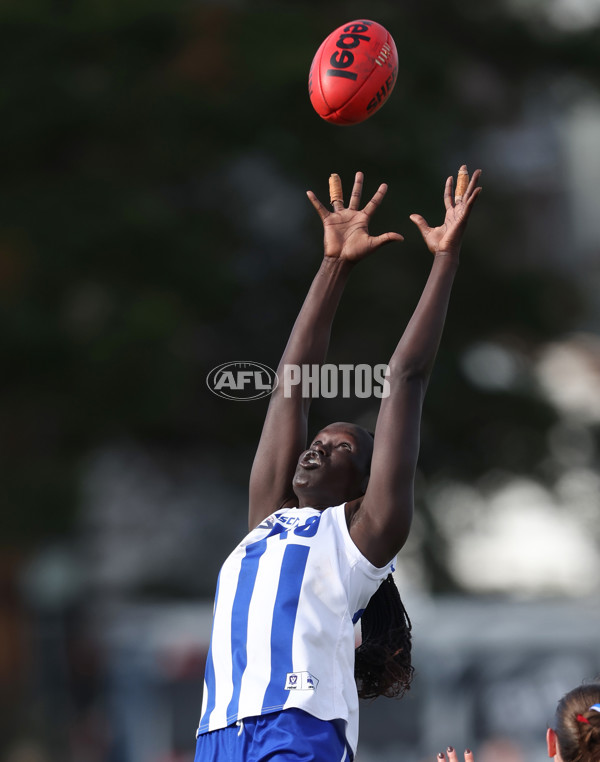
point(284, 435)
point(380, 521)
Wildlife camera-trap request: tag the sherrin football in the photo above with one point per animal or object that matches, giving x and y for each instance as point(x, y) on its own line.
point(353, 72)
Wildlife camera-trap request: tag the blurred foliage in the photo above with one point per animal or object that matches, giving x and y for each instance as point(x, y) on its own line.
point(154, 223)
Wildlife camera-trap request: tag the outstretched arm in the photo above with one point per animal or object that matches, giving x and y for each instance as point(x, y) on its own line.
point(380, 522)
point(283, 438)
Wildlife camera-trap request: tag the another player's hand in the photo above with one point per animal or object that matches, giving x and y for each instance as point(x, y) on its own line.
point(453, 757)
point(347, 229)
point(446, 238)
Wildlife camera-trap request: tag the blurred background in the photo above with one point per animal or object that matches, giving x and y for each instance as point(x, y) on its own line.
point(154, 225)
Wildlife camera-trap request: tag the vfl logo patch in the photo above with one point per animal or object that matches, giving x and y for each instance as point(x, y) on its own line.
point(300, 681)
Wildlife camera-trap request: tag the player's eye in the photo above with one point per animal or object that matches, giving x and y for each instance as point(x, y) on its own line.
point(346, 445)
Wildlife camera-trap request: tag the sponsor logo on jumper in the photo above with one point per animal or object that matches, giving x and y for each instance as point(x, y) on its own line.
point(300, 681)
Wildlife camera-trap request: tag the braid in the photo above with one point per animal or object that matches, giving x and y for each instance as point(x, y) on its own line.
point(577, 724)
point(383, 664)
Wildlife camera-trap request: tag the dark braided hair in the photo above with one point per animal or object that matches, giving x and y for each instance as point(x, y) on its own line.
point(577, 725)
point(382, 664)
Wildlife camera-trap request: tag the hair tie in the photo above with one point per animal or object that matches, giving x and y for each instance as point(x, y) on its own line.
point(581, 718)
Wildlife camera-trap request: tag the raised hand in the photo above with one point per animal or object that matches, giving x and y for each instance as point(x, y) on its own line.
point(346, 230)
point(446, 238)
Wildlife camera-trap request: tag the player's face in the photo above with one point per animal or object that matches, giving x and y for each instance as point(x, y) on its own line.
point(335, 467)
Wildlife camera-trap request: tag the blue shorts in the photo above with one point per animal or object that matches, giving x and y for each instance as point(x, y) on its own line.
point(290, 735)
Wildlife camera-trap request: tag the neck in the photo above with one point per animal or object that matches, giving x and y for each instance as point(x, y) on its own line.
point(319, 505)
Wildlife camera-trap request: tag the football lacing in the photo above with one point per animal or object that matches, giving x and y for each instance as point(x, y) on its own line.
point(383, 55)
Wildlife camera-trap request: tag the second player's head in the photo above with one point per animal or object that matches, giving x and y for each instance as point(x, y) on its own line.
point(576, 732)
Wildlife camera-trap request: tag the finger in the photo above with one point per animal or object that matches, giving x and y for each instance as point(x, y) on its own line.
point(468, 755)
point(473, 183)
point(441, 756)
point(421, 223)
point(469, 201)
point(336, 195)
point(451, 752)
point(473, 196)
point(381, 240)
point(356, 191)
point(322, 211)
point(376, 200)
point(462, 183)
point(448, 198)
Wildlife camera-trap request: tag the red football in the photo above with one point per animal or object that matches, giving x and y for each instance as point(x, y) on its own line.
point(353, 72)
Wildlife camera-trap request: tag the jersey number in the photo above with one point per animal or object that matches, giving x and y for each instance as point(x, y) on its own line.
point(308, 529)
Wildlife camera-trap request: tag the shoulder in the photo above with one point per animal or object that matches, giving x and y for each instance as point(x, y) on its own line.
point(345, 517)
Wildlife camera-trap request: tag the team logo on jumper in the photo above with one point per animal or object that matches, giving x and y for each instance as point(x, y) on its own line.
point(242, 380)
point(300, 681)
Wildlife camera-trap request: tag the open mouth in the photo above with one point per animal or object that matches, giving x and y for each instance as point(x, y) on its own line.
point(311, 459)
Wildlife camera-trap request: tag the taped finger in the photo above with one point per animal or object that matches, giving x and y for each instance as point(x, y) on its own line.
point(335, 189)
point(462, 183)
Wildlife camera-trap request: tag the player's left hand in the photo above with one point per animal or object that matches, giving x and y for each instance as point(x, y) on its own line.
point(346, 230)
point(446, 238)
